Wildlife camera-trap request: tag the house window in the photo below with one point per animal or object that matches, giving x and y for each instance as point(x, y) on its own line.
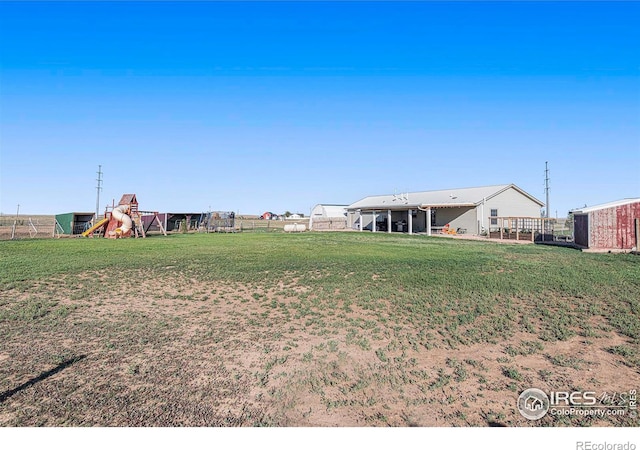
point(494, 213)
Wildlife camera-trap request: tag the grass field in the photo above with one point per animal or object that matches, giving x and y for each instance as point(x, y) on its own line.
point(335, 329)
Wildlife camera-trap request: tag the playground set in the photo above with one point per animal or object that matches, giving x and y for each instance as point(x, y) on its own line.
point(124, 220)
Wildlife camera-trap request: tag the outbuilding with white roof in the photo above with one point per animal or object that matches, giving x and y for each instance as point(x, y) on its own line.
point(328, 217)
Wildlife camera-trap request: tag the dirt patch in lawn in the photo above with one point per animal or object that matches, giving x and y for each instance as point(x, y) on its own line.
point(163, 349)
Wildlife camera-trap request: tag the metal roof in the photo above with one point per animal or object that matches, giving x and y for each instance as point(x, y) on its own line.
point(332, 210)
point(445, 198)
point(613, 204)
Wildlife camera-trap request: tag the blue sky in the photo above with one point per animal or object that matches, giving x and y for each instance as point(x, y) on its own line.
point(256, 106)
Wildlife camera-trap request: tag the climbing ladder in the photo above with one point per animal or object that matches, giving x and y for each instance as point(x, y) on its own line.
point(136, 217)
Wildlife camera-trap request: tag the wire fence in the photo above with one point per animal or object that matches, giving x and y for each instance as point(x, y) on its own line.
point(32, 227)
point(28, 227)
point(266, 226)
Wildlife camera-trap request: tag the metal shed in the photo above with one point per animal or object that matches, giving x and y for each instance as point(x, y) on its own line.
point(172, 221)
point(328, 217)
point(609, 226)
point(74, 222)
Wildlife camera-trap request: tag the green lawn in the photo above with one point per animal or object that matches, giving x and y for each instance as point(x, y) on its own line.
point(311, 329)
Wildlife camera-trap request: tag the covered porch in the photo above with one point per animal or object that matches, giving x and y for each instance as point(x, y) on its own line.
point(427, 219)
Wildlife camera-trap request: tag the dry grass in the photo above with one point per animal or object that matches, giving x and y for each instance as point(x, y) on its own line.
point(173, 346)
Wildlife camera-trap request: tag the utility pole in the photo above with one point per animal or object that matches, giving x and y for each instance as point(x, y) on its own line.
point(546, 189)
point(98, 189)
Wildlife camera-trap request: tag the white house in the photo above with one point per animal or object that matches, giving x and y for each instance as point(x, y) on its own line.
point(467, 210)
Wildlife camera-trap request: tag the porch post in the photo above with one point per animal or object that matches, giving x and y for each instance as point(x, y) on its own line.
point(388, 221)
point(410, 221)
point(428, 221)
point(373, 223)
point(360, 218)
point(533, 229)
